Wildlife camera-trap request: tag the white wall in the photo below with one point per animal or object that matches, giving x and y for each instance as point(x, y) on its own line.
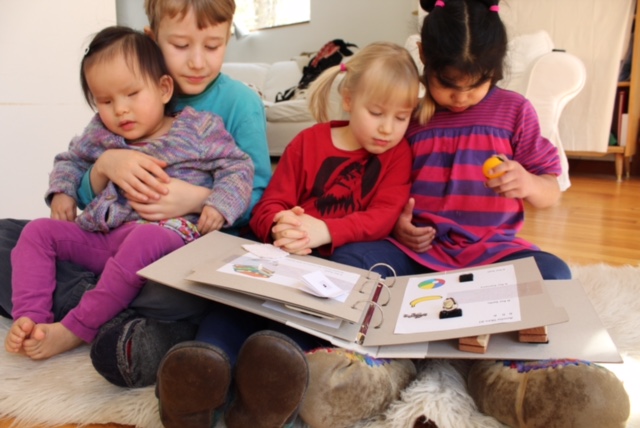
point(355, 21)
point(41, 104)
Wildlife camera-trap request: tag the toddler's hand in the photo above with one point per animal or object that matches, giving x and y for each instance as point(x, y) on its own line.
point(63, 207)
point(210, 220)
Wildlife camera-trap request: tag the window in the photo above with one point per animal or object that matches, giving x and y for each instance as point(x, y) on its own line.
point(259, 14)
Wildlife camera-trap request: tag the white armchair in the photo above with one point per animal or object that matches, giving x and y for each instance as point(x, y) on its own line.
point(549, 79)
point(555, 79)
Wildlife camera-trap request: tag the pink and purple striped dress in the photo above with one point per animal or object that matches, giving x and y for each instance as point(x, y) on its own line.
point(474, 225)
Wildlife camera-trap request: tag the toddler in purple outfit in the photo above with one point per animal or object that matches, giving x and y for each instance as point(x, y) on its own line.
point(125, 79)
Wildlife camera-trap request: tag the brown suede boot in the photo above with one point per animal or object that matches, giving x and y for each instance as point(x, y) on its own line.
point(271, 378)
point(549, 393)
point(193, 380)
point(346, 387)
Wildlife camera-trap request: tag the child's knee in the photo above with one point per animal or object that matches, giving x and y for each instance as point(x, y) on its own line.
point(37, 227)
point(157, 239)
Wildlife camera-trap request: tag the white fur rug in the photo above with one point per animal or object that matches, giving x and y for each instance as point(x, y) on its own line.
point(66, 389)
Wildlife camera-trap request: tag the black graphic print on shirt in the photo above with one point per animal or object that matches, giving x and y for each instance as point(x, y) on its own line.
point(342, 184)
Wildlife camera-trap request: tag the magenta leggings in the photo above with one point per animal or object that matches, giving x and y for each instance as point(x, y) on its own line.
point(116, 256)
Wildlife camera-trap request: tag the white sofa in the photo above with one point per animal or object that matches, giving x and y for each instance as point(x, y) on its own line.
point(284, 119)
point(548, 79)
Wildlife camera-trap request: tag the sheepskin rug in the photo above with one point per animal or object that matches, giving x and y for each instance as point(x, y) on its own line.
point(66, 389)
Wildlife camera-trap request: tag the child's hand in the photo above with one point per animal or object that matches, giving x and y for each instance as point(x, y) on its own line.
point(210, 220)
point(63, 207)
point(182, 198)
point(512, 180)
point(288, 232)
point(139, 175)
point(317, 231)
point(418, 239)
point(540, 191)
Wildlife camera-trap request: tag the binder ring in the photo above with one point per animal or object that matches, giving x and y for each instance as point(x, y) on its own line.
point(393, 271)
point(371, 302)
point(361, 290)
point(381, 284)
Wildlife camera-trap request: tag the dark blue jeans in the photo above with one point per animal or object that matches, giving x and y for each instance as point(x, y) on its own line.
point(154, 301)
point(227, 328)
point(366, 254)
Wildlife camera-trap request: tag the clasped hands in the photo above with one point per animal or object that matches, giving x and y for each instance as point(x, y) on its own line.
point(298, 233)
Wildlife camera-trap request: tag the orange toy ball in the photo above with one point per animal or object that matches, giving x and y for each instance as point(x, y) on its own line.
point(489, 164)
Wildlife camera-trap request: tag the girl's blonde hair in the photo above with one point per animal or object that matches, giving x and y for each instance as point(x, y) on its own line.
point(426, 107)
point(207, 12)
point(380, 71)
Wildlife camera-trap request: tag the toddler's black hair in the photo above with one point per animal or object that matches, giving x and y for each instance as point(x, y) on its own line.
point(467, 36)
point(138, 50)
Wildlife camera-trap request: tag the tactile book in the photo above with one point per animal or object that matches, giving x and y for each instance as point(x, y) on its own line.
point(394, 316)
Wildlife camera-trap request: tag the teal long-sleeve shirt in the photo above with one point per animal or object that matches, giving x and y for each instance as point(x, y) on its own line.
point(243, 115)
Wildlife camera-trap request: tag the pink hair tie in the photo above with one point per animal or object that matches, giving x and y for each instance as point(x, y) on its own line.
point(495, 8)
point(343, 66)
point(439, 3)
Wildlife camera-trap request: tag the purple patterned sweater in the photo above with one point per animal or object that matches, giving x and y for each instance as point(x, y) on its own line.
point(197, 149)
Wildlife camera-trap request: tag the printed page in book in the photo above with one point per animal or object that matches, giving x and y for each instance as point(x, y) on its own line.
point(220, 261)
point(282, 279)
point(501, 297)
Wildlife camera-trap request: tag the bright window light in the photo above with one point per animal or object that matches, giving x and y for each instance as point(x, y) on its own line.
point(259, 14)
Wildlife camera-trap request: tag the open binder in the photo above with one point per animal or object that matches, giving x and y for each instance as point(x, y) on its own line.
point(367, 316)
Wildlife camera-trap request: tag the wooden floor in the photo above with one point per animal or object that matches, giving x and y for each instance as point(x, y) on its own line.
point(596, 221)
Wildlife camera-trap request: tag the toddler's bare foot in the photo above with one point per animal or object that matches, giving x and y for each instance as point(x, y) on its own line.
point(20, 330)
point(48, 340)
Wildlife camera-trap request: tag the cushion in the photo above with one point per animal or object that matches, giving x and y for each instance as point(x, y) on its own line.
point(281, 76)
point(549, 393)
point(252, 74)
point(289, 111)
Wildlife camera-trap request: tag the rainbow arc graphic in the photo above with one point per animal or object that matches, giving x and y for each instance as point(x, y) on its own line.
point(429, 284)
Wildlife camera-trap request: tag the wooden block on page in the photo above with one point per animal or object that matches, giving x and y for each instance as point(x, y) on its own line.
point(534, 335)
point(534, 330)
point(475, 344)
